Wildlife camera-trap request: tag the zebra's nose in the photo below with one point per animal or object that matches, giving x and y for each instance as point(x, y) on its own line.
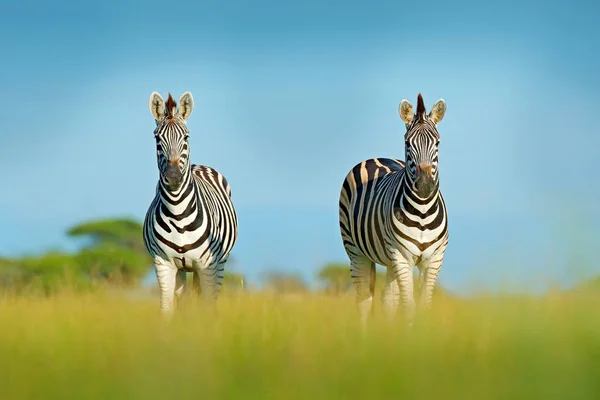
point(174, 162)
point(173, 175)
point(426, 169)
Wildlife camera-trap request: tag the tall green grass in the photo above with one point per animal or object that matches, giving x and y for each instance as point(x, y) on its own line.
point(101, 346)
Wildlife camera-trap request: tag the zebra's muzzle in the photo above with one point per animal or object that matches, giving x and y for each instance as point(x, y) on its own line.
point(173, 177)
point(425, 171)
point(425, 182)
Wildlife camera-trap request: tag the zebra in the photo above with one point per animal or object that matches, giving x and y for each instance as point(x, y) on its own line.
point(393, 214)
point(191, 224)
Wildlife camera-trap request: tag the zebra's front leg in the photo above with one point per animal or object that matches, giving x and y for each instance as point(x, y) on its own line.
point(428, 279)
point(180, 287)
point(403, 273)
point(391, 294)
point(211, 280)
point(180, 283)
point(362, 273)
point(166, 276)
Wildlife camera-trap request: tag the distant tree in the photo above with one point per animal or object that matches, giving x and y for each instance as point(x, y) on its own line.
point(116, 250)
point(122, 232)
point(282, 282)
point(12, 275)
point(114, 264)
point(46, 272)
point(336, 278)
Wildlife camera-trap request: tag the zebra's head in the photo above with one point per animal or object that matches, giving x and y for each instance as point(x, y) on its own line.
point(421, 144)
point(171, 134)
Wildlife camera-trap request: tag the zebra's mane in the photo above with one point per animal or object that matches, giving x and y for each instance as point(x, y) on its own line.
point(170, 107)
point(420, 108)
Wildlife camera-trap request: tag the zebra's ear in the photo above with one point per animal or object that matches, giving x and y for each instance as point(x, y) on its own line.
point(157, 106)
point(405, 109)
point(186, 105)
point(438, 111)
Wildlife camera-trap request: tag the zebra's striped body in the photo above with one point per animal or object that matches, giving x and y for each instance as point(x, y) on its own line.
point(191, 224)
point(396, 217)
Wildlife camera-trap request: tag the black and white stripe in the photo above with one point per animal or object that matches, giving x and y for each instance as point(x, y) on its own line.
point(191, 225)
point(396, 216)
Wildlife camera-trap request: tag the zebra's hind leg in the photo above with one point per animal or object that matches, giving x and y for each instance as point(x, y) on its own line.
point(391, 294)
point(403, 273)
point(166, 276)
point(362, 272)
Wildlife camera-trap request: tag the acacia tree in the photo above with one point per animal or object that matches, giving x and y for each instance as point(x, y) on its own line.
point(337, 280)
point(115, 250)
point(123, 232)
point(283, 282)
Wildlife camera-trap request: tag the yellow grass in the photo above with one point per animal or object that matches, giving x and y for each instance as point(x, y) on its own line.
point(88, 346)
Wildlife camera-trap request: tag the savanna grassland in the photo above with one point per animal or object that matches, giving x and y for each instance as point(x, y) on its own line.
point(107, 346)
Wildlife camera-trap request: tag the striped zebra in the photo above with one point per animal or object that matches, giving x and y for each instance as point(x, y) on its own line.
point(396, 217)
point(191, 224)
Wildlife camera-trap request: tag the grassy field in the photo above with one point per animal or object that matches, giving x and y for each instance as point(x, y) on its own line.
point(260, 346)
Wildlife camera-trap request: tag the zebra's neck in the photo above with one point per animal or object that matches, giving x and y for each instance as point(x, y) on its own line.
point(408, 190)
point(180, 203)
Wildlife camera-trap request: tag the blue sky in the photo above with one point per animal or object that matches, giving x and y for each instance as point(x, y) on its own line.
point(288, 97)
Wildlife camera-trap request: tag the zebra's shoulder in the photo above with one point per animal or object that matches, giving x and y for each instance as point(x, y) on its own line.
point(211, 176)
